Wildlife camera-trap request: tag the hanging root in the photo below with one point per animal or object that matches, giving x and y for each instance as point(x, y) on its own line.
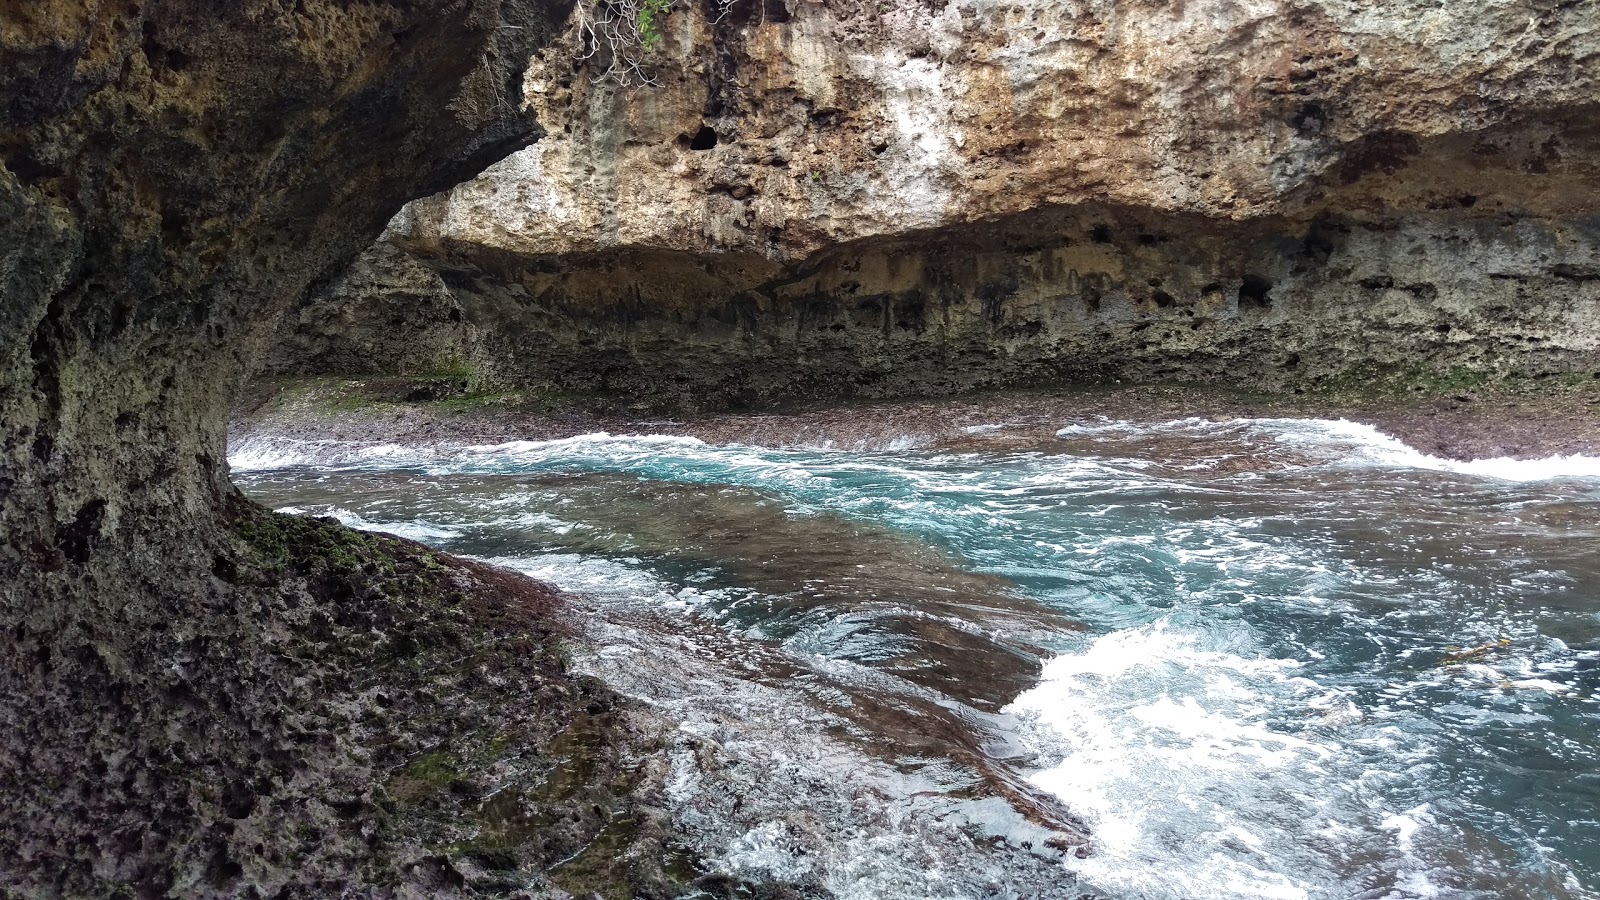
point(622, 34)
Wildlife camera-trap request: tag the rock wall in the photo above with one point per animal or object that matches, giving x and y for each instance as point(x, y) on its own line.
point(193, 703)
point(860, 197)
point(846, 119)
point(1140, 298)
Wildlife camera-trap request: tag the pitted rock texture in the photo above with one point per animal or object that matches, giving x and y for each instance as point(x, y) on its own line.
point(1085, 294)
point(389, 312)
point(199, 698)
point(864, 198)
point(845, 119)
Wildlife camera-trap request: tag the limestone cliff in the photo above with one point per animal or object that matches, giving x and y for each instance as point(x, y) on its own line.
point(859, 197)
point(197, 697)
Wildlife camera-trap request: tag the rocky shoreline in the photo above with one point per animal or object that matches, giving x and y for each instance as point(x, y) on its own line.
point(821, 200)
point(1515, 418)
point(678, 715)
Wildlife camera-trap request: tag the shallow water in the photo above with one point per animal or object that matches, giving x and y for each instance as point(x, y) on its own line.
point(1256, 658)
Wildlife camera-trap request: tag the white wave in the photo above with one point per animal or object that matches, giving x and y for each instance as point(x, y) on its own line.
point(1358, 442)
point(1373, 445)
point(621, 584)
point(582, 442)
point(768, 849)
point(1169, 751)
point(1108, 427)
point(685, 459)
point(661, 453)
point(271, 453)
point(417, 530)
point(258, 453)
point(907, 442)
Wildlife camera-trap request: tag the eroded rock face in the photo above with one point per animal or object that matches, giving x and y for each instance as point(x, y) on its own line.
point(182, 707)
point(880, 198)
point(839, 120)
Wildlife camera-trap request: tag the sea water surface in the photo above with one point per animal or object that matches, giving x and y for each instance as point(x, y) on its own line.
point(1265, 658)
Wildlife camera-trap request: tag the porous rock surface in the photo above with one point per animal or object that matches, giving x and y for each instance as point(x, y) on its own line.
point(859, 197)
point(198, 697)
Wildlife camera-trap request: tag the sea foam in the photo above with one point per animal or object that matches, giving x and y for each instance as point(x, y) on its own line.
point(1342, 440)
point(1170, 751)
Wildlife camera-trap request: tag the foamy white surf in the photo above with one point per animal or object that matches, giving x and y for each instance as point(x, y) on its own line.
point(1337, 440)
point(1206, 760)
point(1107, 426)
point(580, 443)
point(256, 453)
point(1367, 442)
point(416, 530)
point(1346, 441)
point(1175, 754)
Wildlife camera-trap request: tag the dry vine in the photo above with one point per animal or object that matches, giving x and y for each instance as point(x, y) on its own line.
point(621, 33)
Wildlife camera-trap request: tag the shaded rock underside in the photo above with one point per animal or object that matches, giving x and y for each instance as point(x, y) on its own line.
point(1468, 252)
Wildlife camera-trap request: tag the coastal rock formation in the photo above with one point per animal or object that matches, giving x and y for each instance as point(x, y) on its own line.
point(199, 697)
point(853, 197)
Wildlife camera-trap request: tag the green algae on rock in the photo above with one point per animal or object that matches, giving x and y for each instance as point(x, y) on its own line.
point(449, 704)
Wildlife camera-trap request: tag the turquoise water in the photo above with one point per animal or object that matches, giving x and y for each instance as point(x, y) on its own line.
point(1270, 658)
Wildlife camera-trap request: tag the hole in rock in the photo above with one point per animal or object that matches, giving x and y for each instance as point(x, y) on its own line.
point(775, 11)
point(76, 539)
point(1575, 273)
point(225, 569)
point(1309, 118)
point(1253, 292)
point(704, 139)
point(238, 801)
point(174, 221)
point(30, 171)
